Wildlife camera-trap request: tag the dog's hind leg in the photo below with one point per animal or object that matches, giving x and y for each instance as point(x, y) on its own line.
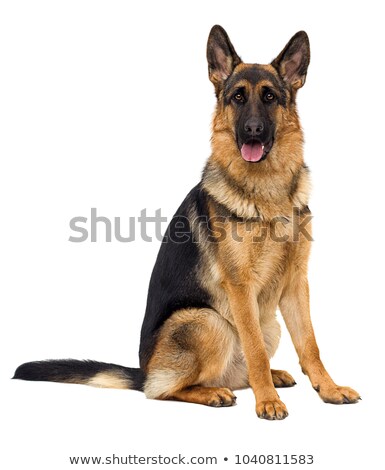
point(282, 379)
point(193, 351)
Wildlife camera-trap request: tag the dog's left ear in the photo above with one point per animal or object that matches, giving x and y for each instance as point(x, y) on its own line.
point(221, 56)
point(293, 61)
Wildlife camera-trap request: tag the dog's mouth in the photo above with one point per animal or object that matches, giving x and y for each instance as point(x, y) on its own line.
point(255, 151)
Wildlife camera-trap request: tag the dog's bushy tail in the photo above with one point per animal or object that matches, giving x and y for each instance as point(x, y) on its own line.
point(97, 374)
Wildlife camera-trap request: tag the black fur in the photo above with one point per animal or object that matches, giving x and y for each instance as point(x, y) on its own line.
point(174, 283)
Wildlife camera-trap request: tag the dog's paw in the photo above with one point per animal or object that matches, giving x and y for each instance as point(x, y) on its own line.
point(338, 395)
point(281, 379)
point(271, 409)
point(219, 397)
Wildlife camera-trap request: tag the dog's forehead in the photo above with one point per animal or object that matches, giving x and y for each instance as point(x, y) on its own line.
point(254, 74)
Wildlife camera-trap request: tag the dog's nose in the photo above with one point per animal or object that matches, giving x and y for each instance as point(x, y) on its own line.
point(254, 127)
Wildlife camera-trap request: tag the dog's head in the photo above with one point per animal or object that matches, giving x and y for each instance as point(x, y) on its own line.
point(256, 103)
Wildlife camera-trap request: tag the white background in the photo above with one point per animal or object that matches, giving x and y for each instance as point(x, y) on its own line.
point(108, 105)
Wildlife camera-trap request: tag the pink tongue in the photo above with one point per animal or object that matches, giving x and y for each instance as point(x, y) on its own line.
point(252, 152)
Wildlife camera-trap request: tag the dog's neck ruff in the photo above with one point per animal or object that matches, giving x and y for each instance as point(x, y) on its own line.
point(262, 199)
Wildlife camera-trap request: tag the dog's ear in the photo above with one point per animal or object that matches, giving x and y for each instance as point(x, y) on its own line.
point(221, 56)
point(293, 61)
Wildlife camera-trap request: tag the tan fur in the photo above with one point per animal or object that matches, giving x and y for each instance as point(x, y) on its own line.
point(112, 379)
point(196, 346)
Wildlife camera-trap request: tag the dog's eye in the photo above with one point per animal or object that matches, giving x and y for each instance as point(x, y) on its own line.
point(269, 96)
point(238, 97)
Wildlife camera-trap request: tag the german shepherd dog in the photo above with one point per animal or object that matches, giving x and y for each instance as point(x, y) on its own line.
point(230, 256)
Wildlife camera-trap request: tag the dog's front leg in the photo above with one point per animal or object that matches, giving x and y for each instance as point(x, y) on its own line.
point(244, 308)
point(294, 306)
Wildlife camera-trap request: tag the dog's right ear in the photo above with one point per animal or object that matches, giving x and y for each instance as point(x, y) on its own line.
point(221, 57)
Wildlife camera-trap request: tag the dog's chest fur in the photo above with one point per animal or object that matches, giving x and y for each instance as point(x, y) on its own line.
point(249, 252)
